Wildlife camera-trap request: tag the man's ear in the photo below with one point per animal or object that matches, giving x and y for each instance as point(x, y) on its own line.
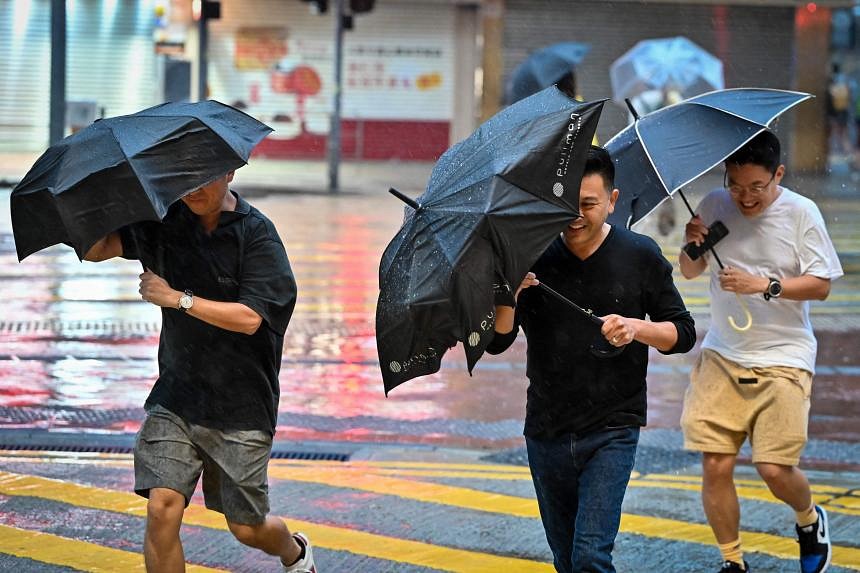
point(613, 197)
point(230, 176)
point(779, 173)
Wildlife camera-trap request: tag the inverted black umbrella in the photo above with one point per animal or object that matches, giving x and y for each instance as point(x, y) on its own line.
point(661, 152)
point(494, 203)
point(127, 169)
point(544, 68)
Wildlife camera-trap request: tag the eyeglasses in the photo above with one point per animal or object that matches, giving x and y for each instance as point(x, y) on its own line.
point(754, 190)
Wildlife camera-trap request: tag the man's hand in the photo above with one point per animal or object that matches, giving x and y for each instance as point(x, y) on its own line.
point(695, 231)
point(742, 282)
point(618, 330)
point(155, 289)
point(505, 313)
point(530, 280)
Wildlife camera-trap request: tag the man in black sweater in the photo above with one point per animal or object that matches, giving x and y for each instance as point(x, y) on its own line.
point(584, 411)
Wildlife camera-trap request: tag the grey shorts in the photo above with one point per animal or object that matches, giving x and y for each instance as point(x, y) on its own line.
point(171, 453)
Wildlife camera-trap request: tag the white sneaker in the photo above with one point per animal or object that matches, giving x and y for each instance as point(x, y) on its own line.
point(306, 564)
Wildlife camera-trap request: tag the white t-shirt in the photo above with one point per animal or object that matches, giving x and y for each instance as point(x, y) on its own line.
point(788, 239)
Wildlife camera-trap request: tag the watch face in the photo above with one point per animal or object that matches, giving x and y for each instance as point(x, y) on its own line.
point(185, 301)
point(775, 288)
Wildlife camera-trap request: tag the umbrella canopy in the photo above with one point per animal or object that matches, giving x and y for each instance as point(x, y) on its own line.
point(544, 68)
point(663, 151)
point(663, 63)
point(493, 204)
point(127, 169)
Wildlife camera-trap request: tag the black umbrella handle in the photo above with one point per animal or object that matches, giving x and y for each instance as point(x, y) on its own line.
point(595, 319)
point(409, 201)
point(693, 214)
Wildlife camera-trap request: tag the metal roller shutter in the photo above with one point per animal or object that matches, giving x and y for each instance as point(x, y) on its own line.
point(25, 42)
point(755, 42)
point(110, 60)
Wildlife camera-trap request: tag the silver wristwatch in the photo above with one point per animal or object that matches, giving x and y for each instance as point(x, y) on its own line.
point(774, 289)
point(186, 301)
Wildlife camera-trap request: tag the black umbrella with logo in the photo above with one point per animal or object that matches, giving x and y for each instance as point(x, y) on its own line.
point(493, 204)
point(127, 169)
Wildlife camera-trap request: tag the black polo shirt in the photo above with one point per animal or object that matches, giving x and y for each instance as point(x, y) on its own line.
point(207, 375)
point(571, 390)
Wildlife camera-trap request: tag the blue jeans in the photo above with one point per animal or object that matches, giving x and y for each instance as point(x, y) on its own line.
point(580, 484)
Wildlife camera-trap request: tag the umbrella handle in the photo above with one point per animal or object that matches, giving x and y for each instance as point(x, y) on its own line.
point(747, 314)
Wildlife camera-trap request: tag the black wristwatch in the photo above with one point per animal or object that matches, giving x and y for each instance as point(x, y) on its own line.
point(774, 289)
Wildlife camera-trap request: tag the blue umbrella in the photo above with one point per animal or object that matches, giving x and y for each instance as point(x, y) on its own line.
point(661, 152)
point(544, 68)
point(665, 63)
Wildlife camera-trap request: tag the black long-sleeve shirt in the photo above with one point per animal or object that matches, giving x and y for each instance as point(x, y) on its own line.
point(571, 389)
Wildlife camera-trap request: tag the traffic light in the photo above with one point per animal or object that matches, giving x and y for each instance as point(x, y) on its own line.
point(318, 6)
point(360, 6)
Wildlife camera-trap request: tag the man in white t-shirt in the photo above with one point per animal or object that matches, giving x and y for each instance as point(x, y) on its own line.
point(756, 383)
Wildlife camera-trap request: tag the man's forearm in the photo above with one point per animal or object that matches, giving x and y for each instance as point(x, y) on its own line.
point(805, 287)
point(690, 268)
point(232, 316)
point(107, 247)
point(661, 335)
point(504, 319)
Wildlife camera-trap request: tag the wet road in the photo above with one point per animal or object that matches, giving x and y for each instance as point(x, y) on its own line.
point(433, 473)
point(76, 336)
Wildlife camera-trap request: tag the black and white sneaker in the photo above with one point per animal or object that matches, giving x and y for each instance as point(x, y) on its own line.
point(814, 540)
point(734, 567)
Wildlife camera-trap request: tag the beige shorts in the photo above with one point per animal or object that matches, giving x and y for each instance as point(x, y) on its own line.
point(725, 403)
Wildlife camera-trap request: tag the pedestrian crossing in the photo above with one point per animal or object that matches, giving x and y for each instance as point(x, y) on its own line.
point(460, 489)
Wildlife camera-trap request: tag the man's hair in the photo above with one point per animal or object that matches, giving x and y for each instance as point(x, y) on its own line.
point(567, 84)
point(763, 150)
point(600, 163)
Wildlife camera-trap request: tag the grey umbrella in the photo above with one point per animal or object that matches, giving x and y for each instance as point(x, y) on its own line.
point(663, 151)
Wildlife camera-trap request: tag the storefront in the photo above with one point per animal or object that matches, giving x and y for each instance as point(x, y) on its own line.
point(274, 59)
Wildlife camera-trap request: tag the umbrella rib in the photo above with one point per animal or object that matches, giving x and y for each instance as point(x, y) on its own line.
point(650, 159)
point(702, 104)
point(766, 124)
point(129, 162)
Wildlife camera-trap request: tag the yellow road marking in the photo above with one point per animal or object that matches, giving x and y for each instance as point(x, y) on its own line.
point(329, 537)
point(411, 489)
point(818, 488)
point(832, 498)
point(81, 555)
point(350, 476)
point(494, 468)
point(781, 547)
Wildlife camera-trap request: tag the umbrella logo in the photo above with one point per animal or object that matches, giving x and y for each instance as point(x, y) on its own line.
point(394, 366)
point(474, 339)
point(566, 153)
point(558, 189)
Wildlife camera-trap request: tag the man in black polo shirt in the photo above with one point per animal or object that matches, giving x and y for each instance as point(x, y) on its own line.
point(221, 276)
point(583, 411)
